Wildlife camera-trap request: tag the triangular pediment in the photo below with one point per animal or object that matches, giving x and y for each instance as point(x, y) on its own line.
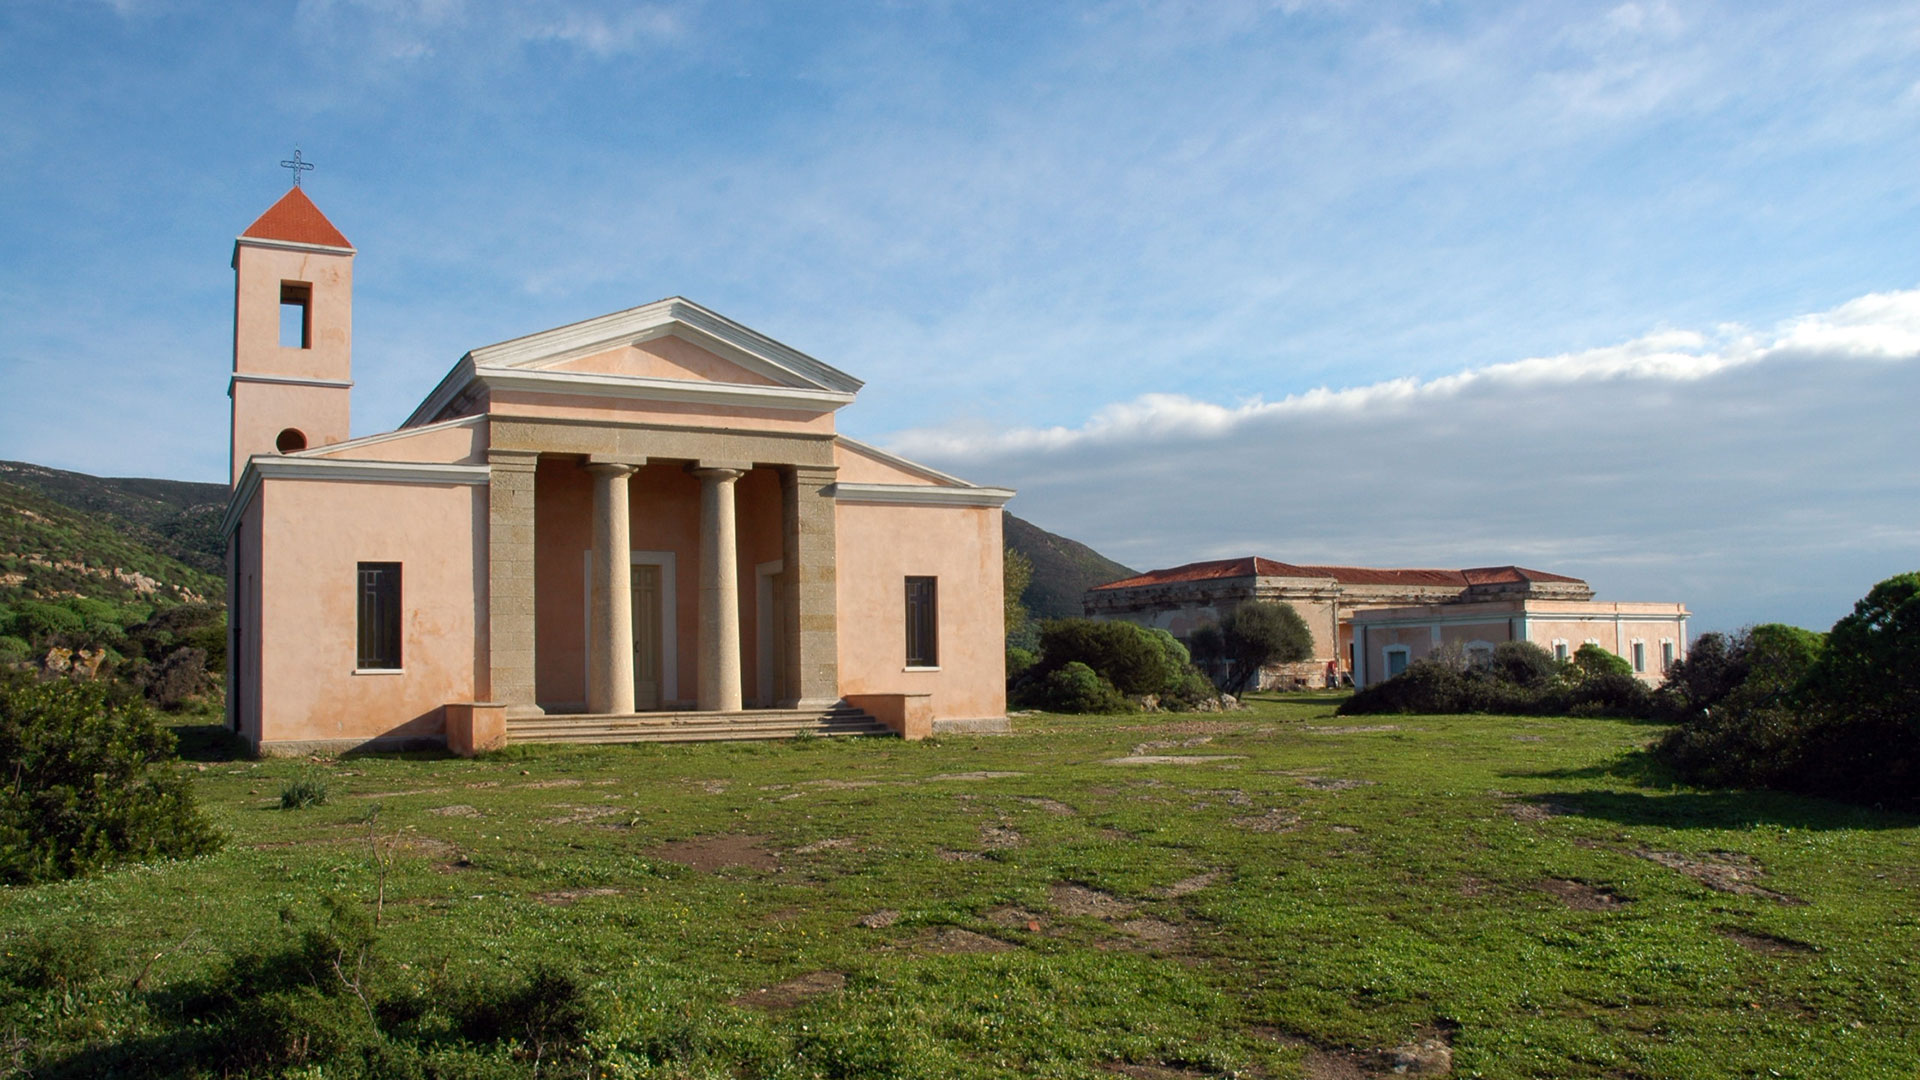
point(672, 339)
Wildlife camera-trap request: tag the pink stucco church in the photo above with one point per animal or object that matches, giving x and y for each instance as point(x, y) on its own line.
point(640, 526)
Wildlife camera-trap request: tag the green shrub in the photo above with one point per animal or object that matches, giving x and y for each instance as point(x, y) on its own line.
point(1129, 657)
point(1259, 633)
point(1019, 662)
point(1189, 691)
point(1523, 663)
point(547, 1014)
point(87, 782)
point(1590, 661)
point(1077, 688)
point(14, 650)
point(307, 789)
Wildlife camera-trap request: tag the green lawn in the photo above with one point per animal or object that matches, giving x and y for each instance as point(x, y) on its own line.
point(1299, 896)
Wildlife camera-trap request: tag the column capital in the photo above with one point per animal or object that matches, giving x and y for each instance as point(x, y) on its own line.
point(513, 459)
point(612, 469)
point(722, 471)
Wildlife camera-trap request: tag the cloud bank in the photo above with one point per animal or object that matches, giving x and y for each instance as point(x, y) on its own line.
point(1756, 475)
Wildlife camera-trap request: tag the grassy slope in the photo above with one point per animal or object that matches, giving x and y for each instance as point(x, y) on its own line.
point(1411, 903)
point(176, 518)
point(34, 524)
point(1063, 569)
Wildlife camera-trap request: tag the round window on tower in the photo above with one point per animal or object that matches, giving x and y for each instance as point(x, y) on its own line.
point(290, 440)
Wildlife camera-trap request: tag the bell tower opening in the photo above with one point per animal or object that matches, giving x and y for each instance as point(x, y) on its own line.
point(296, 310)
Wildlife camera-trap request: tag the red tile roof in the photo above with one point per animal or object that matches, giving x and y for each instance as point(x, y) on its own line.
point(1254, 566)
point(294, 218)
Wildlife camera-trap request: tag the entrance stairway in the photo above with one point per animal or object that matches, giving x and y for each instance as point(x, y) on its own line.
point(695, 726)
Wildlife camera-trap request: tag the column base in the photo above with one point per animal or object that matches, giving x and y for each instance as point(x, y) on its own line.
point(525, 712)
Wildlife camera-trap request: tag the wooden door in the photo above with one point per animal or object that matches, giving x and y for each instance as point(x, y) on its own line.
point(647, 632)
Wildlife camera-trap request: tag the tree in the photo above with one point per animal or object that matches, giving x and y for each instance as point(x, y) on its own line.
point(1260, 633)
point(1016, 573)
point(1590, 661)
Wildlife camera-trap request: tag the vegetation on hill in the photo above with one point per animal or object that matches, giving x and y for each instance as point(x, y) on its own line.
point(1270, 892)
point(1063, 569)
point(176, 518)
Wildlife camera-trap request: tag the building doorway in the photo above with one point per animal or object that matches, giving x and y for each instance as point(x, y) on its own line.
point(648, 607)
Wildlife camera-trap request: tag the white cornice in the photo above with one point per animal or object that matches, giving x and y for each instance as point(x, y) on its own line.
point(287, 245)
point(921, 495)
point(630, 387)
point(287, 380)
point(276, 467)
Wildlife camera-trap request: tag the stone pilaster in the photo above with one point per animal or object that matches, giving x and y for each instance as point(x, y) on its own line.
point(812, 601)
point(510, 617)
point(610, 618)
point(719, 659)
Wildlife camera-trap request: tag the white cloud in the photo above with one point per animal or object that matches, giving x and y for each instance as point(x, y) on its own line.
point(1754, 475)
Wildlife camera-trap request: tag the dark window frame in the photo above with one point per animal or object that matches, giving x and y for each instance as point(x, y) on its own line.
point(923, 621)
point(298, 295)
point(377, 604)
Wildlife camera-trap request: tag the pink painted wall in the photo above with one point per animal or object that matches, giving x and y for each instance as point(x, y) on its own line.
point(262, 410)
point(314, 533)
point(451, 443)
point(879, 547)
point(665, 358)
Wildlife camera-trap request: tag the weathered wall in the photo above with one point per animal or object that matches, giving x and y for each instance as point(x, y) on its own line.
point(314, 533)
point(879, 547)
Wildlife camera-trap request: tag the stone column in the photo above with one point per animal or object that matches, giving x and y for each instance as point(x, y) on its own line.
point(610, 614)
point(812, 599)
point(719, 660)
point(509, 625)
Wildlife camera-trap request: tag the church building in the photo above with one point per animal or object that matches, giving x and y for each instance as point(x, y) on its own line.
point(640, 526)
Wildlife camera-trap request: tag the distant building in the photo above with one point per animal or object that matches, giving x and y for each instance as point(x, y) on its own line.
point(636, 526)
point(1370, 623)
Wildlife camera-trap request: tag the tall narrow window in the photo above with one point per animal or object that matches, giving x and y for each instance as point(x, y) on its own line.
point(379, 603)
point(923, 622)
point(1666, 655)
point(1639, 656)
point(296, 309)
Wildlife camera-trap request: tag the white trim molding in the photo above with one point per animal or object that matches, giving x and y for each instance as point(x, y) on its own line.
point(287, 245)
point(467, 374)
point(276, 467)
point(920, 495)
point(287, 380)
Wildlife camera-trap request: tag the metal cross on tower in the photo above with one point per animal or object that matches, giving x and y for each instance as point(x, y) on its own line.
point(297, 166)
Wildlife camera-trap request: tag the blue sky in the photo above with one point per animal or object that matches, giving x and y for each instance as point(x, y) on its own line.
point(1087, 250)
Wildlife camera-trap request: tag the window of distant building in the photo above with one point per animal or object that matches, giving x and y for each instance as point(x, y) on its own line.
point(1666, 654)
point(1639, 656)
point(1397, 656)
point(1560, 651)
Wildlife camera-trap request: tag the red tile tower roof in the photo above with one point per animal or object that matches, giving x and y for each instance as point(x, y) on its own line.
point(295, 219)
point(1254, 566)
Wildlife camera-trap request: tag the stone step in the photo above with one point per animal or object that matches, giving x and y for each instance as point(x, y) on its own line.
point(695, 727)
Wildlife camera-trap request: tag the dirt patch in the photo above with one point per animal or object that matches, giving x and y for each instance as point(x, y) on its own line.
point(950, 855)
point(1529, 738)
point(1000, 837)
point(1759, 942)
point(1536, 810)
point(710, 853)
point(879, 920)
point(1353, 729)
point(576, 815)
point(1051, 806)
point(553, 783)
point(1155, 1072)
point(563, 897)
point(1009, 917)
point(1071, 899)
point(1273, 821)
point(1233, 796)
point(1187, 886)
point(793, 992)
point(1348, 830)
point(841, 785)
point(1722, 871)
point(1328, 783)
point(832, 843)
point(977, 775)
point(456, 810)
point(1173, 759)
point(1473, 886)
point(1581, 896)
point(1153, 933)
point(1172, 744)
point(951, 941)
point(714, 787)
point(1428, 1054)
point(394, 794)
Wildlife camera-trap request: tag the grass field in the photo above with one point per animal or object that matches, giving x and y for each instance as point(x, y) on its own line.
point(1272, 893)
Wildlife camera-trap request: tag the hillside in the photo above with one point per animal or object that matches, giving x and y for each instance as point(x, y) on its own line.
point(1063, 569)
point(175, 518)
point(49, 550)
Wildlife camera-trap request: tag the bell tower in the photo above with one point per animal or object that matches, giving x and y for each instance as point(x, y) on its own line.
point(292, 332)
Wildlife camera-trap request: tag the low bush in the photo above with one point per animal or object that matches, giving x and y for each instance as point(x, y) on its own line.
point(1077, 688)
point(1780, 707)
point(307, 789)
point(1520, 679)
point(88, 782)
point(1128, 656)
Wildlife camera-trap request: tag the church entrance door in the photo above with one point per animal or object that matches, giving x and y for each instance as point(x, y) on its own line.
point(647, 633)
